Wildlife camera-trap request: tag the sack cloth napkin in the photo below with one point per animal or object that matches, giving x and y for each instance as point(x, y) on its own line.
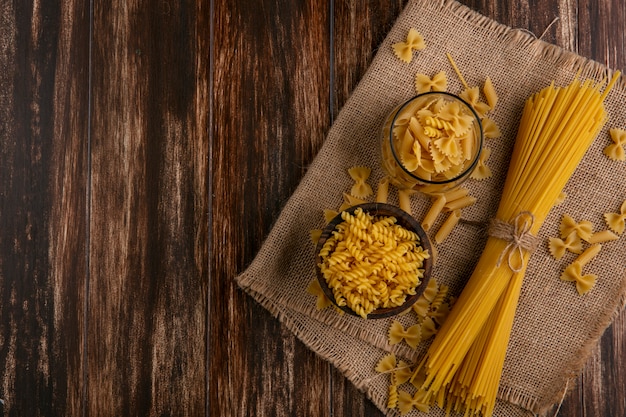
point(555, 328)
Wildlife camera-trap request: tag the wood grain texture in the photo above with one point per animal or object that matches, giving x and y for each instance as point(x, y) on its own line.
point(43, 127)
point(271, 95)
point(148, 237)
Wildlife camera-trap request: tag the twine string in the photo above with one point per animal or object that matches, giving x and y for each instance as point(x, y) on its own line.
point(517, 234)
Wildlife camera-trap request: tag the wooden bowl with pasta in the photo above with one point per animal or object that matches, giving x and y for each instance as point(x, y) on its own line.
point(373, 260)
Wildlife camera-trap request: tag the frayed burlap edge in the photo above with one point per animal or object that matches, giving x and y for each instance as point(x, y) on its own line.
point(551, 54)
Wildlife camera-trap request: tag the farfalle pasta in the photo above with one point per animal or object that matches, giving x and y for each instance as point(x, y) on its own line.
point(558, 247)
point(315, 289)
point(584, 229)
point(424, 84)
point(412, 336)
point(616, 221)
point(472, 97)
point(482, 171)
point(414, 42)
point(407, 402)
point(490, 128)
point(360, 189)
point(615, 150)
point(574, 273)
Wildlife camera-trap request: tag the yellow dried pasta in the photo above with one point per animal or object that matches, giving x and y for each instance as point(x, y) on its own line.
point(490, 128)
point(315, 235)
point(617, 221)
point(424, 84)
point(558, 246)
point(615, 150)
point(446, 228)
point(382, 192)
point(584, 283)
point(412, 336)
point(482, 171)
point(490, 93)
point(414, 42)
point(371, 262)
point(360, 189)
point(407, 402)
point(386, 364)
point(472, 97)
point(315, 289)
point(603, 236)
point(568, 225)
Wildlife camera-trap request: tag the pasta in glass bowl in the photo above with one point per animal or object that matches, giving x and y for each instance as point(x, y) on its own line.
point(373, 260)
point(431, 143)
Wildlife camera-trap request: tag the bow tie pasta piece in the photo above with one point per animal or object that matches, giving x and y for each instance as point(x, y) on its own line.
point(482, 171)
point(360, 189)
point(411, 336)
point(414, 42)
point(424, 84)
point(615, 151)
point(490, 93)
point(557, 246)
point(584, 229)
point(472, 97)
point(574, 273)
point(406, 402)
point(386, 364)
point(428, 328)
point(315, 289)
point(490, 128)
point(459, 120)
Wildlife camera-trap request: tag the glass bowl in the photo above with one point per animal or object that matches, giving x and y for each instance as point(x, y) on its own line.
point(431, 143)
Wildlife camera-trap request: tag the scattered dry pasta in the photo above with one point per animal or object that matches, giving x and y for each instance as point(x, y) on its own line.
point(446, 228)
point(371, 262)
point(616, 221)
point(584, 229)
point(315, 289)
point(472, 97)
point(615, 150)
point(382, 192)
point(584, 283)
point(360, 189)
point(412, 336)
point(424, 84)
point(482, 171)
point(558, 246)
point(414, 42)
point(490, 128)
point(490, 93)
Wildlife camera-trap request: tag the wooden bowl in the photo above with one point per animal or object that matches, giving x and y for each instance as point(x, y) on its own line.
point(405, 220)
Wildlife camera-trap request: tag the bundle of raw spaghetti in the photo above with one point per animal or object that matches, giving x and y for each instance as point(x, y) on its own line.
point(464, 363)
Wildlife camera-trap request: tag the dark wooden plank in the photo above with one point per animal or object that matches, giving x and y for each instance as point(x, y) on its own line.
point(148, 244)
point(43, 161)
point(271, 95)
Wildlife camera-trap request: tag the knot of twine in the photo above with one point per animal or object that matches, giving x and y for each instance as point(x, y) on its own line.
point(517, 234)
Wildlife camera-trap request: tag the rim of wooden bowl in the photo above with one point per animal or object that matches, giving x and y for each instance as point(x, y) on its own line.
point(405, 220)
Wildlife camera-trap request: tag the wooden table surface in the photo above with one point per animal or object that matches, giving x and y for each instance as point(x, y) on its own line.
point(146, 148)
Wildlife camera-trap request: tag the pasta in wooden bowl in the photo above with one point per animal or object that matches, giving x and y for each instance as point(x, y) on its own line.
point(373, 260)
point(431, 143)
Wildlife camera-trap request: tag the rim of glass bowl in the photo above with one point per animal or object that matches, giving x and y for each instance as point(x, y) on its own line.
point(470, 168)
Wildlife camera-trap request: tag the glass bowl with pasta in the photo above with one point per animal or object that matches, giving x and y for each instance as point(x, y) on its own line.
point(373, 260)
point(431, 143)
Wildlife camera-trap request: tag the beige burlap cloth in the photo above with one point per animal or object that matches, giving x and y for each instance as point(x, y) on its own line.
point(555, 328)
